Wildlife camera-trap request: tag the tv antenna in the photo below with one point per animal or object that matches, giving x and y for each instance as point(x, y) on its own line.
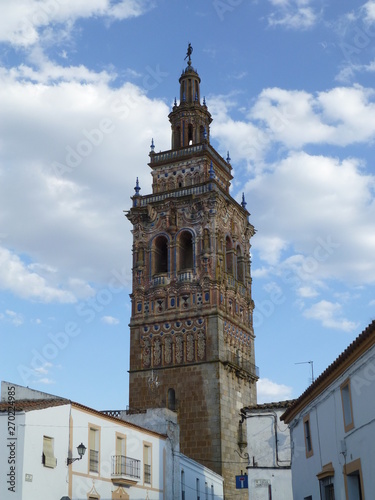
point(311, 363)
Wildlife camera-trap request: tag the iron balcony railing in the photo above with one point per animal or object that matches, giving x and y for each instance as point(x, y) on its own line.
point(236, 359)
point(126, 466)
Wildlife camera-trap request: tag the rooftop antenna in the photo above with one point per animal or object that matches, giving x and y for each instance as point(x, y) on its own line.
point(311, 363)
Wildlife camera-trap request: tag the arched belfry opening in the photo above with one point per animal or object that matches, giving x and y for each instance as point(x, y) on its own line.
point(160, 255)
point(185, 251)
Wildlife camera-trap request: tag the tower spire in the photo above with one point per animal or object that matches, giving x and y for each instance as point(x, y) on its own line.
point(190, 119)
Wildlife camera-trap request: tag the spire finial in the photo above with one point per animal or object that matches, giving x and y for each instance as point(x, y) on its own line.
point(137, 188)
point(243, 203)
point(188, 54)
point(152, 147)
point(228, 157)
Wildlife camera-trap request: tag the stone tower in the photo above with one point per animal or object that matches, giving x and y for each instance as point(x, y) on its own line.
point(191, 333)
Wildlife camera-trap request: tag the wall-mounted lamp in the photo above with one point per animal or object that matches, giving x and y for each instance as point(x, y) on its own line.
point(81, 451)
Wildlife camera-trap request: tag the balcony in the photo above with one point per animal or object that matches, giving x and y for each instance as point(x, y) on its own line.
point(237, 362)
point(161, 279)
point(186, 275)
point(125, 470)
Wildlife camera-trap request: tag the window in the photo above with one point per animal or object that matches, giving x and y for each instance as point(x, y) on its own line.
point(160, 257)
point(186, 251)
point(228, 255)
point(307, 432)
point(147, 463)
point(48, 457)
point(94, 450)
point(212, 492)
point(171, 399)
point(347, 409)
point(197, 488)
point(206, 490)
point(120, 462)
point(353, 480)
point(327, 491)
point(240, 266)
point(182, 485)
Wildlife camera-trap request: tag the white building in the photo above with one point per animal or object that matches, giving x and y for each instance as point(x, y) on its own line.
point(122, 460)
point(333, 428)
point(269, 450)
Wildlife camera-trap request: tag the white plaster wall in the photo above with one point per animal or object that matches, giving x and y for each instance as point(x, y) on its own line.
point(85, 482)
point(193, 471)
point(327, 433)
point(268, 469)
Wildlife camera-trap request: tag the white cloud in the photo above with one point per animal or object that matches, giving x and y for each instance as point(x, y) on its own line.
point(63, 193)
point(292, 14)
point(332, 199)
point(17, 278)
point(268, 391)
point(12, 317)
point(330, 316)
point(110, 320)
point(29, 27)
point(340, 116)
point(369, 9)
point(307, 292)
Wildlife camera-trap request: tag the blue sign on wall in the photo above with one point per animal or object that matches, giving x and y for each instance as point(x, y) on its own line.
point(242, 482)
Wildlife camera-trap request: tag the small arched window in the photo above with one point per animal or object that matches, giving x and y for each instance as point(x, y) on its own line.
point(171, 400)
point(160, 255)
point(228, 255)
point(185, 259)
point(190, 134)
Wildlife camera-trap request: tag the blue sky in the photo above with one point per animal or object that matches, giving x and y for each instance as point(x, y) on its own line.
point(85, 86)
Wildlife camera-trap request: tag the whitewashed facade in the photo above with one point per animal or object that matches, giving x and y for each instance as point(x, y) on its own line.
point(333, 428)
point(122, 460)
point(269, 450)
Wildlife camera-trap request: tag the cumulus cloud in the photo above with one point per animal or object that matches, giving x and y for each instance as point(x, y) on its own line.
point(332, 198)
point(63, 193)
point(330, 315)
point(110, 320)
point(269, 391)
point(340, 116)
point(292, 14)
point(24, 22)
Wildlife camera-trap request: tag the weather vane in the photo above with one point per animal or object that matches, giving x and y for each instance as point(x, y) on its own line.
point(188, 53)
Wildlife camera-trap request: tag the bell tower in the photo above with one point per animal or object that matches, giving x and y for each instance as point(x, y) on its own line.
point(191, 332)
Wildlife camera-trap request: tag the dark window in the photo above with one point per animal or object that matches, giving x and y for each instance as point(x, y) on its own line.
point(186, 251)
point(240, 265)
point(160, 255)
point(229, 255)
point(171, 399)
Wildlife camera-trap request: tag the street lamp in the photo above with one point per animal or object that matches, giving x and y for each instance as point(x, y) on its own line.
point(81, 451)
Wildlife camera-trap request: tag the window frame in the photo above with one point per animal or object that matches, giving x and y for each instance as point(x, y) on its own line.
point(307, 435)
point(96, 448)
point(147, 457)
point(351, 469)
point(347, 405)
point(48, 454)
